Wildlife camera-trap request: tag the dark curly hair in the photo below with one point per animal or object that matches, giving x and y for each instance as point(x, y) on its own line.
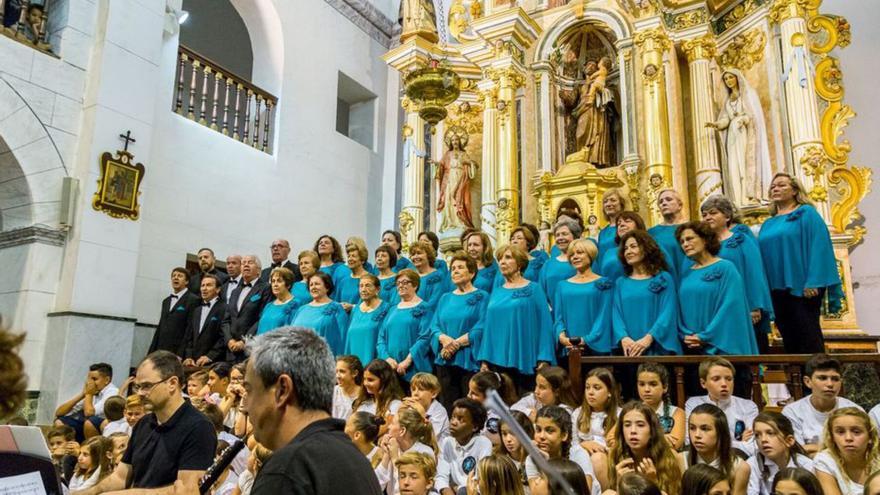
point(653, 257)
point(704, 232)
point(629, 215)
point(13, 381)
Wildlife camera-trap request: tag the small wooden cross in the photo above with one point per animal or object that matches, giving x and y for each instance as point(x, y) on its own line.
point(128, 139)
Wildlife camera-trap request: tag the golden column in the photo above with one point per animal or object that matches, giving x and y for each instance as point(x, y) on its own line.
point(507, 186)
point(800, 95)
point(412, 212)
point(489, 93)
point(700, 52)
point(652, 44)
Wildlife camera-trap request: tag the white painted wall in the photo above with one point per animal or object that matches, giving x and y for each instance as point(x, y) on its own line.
point(861, 68)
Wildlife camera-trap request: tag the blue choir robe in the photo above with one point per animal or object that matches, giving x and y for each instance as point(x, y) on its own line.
point(369, 267)
point(300, 291)
point(798, 254)
point(328, 320)
point(743, 229)
point(487, 278)
point(338, 273)
point(518, 330)
point(664, 235)
point(610, 266)
point(606, 246)
point(348, 290)
point(276, 315)
point(432, 287)
point(536, 264)
point(456, 315)
point(554, 251)
point(407, 331)
point(714, 308)
point(402, 263)
point(553, 272)
point(388, 290)
point(742, 250)
point(584, 310)
point(643, 306)
point(363, 332)
point(441, 266)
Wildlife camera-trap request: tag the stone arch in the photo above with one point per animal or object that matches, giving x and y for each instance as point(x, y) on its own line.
point(31, 168)
point(613, 19)
point(267, 40)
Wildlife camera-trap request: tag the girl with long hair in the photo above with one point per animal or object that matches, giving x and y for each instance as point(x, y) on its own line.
point(349, 378)
point(553, 437)
point(777, 449)
point(852, 452)
point(594, 421)
point(552, 388)
point(703, 479)
point(93, 463)
point(380, 392)
point(510, 445)
point(641, 447)
point(796, 481)
point(652, 382)
point(710, 441)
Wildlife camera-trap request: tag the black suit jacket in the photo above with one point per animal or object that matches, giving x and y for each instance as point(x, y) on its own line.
point(240, 323)
point(225, 288)
point(297, 276)
point(208, 340)
point(195, 281)
point(173, 321)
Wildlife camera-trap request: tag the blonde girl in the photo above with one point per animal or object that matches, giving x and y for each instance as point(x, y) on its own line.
point(852, 452)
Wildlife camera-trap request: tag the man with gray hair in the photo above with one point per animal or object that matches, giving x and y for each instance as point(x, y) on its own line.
point(244, 308)
point(289, 382)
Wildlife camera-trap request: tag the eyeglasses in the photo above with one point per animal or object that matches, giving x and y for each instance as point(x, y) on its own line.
point(403, 283)
point(147, 387)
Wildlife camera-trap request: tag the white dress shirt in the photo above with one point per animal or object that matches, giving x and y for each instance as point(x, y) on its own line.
point(245, 292)
point(230, 288)
point(736, 409)
point(205, 310)
point(175, 298)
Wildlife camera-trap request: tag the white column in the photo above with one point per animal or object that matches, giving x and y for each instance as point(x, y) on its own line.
point(708, 166)
point(412, 212)
point(545, 124)
point(488, 91)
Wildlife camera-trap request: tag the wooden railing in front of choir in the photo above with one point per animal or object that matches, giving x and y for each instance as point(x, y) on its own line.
point(217, 98)
point(789, 364)
point(26, 21)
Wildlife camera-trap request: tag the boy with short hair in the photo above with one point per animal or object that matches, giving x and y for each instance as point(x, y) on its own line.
point(425, 388)
point(114, 417)
point(464, 447)
point(822, 375)
point(415, 473)
point(716, 377)
point(195, 383)
point(64, 449)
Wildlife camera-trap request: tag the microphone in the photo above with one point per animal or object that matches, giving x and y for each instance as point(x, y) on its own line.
point(220, 464)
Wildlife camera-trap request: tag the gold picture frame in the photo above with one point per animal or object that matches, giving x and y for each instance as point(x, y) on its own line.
point(119, 186)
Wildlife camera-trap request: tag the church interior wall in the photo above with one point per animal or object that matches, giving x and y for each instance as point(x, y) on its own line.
point(860, 66)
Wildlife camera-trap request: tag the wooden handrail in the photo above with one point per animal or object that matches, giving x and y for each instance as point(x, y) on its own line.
point(218, 67)
point(792, 362)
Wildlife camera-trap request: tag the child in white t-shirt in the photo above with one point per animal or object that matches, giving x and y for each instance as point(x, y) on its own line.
point(850, 454)
point(777, 448)
point(822, 375)
point(349, 375)
point(462, 450)
point(425, 388)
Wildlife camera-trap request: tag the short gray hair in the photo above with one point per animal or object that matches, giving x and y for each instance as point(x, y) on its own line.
point(724, 205)
point(303, 356)
point(573, 226)
point(256, 259)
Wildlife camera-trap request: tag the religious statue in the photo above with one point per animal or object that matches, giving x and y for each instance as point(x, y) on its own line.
point(594, 113)
point(458, 21)
point(747, 173)
point(454, 173)
point(476, 9)
point(418, 15)
point(568, 98)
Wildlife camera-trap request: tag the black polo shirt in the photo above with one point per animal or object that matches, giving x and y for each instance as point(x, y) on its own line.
point(186, 442)
point(321, 460)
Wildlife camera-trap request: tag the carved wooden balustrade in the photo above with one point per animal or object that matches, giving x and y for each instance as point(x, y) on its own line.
point(778, 368)
point(224, 101)
point(26, 21)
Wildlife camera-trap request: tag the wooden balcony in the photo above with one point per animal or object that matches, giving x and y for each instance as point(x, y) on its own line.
point(217, 98)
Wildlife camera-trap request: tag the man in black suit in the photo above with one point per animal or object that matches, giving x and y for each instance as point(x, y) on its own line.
point(204, 336)
point(176, 310)
point(206, 265)
point(244, 308)
point(233, 269)
point(280, 252)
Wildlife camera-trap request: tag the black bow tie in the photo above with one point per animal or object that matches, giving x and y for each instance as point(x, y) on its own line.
point(175, 296)
point(232, 281)
point(206, 304)
point(276, 265)
point(248, 284)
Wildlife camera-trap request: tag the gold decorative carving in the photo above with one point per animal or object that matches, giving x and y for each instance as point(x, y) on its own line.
point(466, 115)
point(699, 48)
point(652, 39)
point(786, 9)
point(633, 178)
point(689, 19)
point(505, 216)
point(745, 50)
point(836, 31)
point(739, 13)
point(514, 78)
point(406, 221)
point(119, 184)
point(834, 119)
point(828, 80)
point(852, 185)
point(814, 163)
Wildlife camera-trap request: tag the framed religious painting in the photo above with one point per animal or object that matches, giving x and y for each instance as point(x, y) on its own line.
point(119, 186)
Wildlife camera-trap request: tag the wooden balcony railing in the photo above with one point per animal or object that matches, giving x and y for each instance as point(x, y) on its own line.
point(779, 368)
point(218, 98)
point(26, 21)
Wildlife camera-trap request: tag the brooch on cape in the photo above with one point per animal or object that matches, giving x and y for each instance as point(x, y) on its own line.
point(523, 292)
point(735, 240)
point(418, 312)
point(475, 299)
point(795, 215)
point(330, 309)
point(657, 285)
point(604, 284)
point(712, 274)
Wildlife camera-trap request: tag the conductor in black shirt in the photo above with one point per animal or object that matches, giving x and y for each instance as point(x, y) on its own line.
point(289, 383)
point(173, 445)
